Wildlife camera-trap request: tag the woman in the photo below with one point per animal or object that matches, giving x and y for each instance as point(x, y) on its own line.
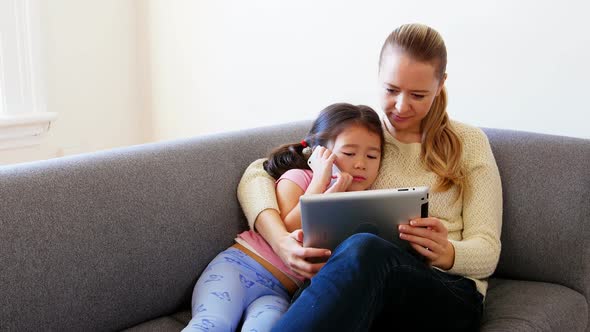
point(369, 283)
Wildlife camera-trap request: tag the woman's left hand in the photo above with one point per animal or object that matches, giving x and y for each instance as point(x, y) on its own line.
point(428, 236)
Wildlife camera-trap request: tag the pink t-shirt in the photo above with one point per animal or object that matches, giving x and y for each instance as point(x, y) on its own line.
point(256, 243)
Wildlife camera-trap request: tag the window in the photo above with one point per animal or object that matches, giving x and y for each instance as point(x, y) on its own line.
point(23, 114)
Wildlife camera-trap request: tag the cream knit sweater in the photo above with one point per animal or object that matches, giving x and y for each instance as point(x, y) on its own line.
point(473, 221)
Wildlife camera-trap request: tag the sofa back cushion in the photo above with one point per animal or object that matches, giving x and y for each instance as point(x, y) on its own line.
point(107, 240)
point(546, 217)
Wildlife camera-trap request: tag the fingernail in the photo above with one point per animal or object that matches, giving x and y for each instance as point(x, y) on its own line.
point(328, 252)
point(412, 222)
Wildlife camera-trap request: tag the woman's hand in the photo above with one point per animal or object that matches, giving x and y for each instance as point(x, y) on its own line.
point(294, 255)
point(428, 236)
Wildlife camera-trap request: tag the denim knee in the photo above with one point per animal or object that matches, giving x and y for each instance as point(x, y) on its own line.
point(369, 249)
point(364, 245)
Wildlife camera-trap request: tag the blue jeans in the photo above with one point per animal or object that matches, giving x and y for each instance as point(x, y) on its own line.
point(370, 284)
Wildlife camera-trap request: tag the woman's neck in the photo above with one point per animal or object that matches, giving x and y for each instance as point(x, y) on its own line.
point(404, 136)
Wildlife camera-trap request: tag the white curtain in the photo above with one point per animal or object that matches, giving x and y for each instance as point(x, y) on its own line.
point(22, 89)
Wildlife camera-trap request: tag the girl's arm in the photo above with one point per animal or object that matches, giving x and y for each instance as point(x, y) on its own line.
point(256, 193)
point(288, 194)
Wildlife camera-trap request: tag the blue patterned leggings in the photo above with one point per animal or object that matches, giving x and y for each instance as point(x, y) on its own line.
point(234, 286)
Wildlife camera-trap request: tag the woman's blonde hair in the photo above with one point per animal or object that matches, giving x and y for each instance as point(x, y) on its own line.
point(441, 147)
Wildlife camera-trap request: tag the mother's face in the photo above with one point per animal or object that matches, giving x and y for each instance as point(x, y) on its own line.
point(408, 88)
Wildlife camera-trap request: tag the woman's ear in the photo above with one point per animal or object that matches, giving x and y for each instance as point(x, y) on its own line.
point(441, 84)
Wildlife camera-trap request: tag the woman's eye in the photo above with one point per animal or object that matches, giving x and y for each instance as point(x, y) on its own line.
point(419, 96)
point(391, 91)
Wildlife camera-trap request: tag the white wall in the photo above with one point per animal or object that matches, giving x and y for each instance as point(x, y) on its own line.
point(124, 72)
point(229, 64)
point(92, 78)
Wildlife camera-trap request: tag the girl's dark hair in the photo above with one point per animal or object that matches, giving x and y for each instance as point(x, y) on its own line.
point(326, 127)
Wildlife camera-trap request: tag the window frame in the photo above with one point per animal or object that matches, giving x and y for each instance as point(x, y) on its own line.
point(24, 119)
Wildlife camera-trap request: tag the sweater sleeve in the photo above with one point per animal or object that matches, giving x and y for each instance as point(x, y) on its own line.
point(478, 252)
point(256, 192)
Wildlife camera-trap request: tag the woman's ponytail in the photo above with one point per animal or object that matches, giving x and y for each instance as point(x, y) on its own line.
point(442, 148)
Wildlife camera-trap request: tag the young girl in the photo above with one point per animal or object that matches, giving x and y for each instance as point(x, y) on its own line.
point(248, 280)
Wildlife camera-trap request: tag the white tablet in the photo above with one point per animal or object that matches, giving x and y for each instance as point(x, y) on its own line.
point(328, 219)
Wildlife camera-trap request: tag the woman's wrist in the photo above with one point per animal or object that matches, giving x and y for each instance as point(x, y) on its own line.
point(270, 225)
point(448, 260)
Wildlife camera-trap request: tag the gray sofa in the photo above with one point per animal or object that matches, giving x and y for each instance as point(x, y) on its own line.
point(116, 239)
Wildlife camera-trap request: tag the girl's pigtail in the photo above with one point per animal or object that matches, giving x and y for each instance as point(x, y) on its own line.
point(287, 157)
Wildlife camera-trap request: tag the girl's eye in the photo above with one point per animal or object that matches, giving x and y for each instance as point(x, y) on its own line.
point(348, 154)
point(372, 157)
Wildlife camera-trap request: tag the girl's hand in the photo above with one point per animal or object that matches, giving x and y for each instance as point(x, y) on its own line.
point(428, 236)
point(294, 255)
point(322, 167)
point(344, 180)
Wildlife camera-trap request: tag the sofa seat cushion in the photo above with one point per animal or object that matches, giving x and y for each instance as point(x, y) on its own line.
point(172, 323)
point(183, 316)
point(513, 305)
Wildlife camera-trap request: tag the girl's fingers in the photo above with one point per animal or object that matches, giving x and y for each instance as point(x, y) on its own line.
point(325, 153)
point(329, 156)
point(343, 181)
point(332, 157)
point(347, 180)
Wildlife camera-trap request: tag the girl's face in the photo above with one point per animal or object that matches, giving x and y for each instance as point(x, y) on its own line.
point(358, 152)
point(408, 88)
